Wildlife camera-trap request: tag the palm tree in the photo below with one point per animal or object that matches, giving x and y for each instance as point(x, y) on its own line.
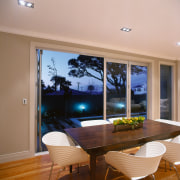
point(61, 81)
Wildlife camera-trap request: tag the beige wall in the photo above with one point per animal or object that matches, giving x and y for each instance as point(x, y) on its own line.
point(14, 86)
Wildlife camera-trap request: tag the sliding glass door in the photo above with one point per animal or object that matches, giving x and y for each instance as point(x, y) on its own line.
point(138, 90)
point(166, 92)
point(126, 89)
point(71, 90)
point(116, 89)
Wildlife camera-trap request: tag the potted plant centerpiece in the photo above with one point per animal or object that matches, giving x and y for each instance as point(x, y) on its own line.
point(128, 123)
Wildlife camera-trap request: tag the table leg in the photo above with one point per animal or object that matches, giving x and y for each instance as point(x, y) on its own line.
point(92, 167)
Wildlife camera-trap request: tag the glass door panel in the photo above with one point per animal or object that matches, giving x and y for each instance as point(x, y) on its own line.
point(70, 91)
point(116, 89)
point(138, 90)
point(165, 92)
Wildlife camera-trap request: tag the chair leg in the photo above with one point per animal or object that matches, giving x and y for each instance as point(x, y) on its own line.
point(70, 169)
point(170, 165)
point(113, 169)
point(51, 170)
point(106, 173)
point(59, 173)
point(165, 166)
point(153, 176)
point(78, 169)
point(176, 172)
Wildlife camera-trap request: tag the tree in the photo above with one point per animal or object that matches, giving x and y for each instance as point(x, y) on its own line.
point(49, 89)
point(53, 72)
point(116, 75)
point(83, 65)
point(91, 88)
point(116, 72)
point(58, 80)
point(61, 81)
point(65, 85)
point(43, 87)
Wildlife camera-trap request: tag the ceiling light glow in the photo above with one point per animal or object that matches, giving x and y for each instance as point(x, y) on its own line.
point(26, 4)
point(178, 43)
point(29, 4)
point(22, 3)
point(126, 29)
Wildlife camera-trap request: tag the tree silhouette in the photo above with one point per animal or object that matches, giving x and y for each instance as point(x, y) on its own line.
point(91, 88)
point(53, 72)
point(90, 66)
point(83, 66)
point(116, 75)
point(43, 87)
point(49, 89)
point(58, 80)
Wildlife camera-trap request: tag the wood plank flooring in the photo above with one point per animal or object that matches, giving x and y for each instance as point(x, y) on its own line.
point(38, 168)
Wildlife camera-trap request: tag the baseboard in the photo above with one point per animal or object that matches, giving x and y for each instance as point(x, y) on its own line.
point(41, 153)
point(15, 156)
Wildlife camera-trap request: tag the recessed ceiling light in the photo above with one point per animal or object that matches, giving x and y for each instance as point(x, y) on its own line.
point(22, 3)
point(26, 4)
point(178, 43)
point(29, 4)
point(126, 29)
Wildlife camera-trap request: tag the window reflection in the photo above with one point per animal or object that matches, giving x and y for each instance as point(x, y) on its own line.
point(165, 92)
point(71, 90)
point(116, 89)
point(138, 90)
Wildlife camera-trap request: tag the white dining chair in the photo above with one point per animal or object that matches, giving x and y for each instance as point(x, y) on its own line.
point(144, 163)
point(172, 154)
point(175, 123)
point(176, 139)
point(94, 123)
point(62, 150)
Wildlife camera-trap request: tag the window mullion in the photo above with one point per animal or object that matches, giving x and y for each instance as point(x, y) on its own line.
point(104, 94)
point(128, 89)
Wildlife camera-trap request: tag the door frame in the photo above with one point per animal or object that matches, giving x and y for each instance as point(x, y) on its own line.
point(75, 48)
point(128, 82)
point(173, 86)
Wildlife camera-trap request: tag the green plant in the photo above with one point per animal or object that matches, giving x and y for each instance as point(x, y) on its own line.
point(129, 121)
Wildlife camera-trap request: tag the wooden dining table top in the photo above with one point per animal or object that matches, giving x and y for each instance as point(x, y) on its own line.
point(100, 139)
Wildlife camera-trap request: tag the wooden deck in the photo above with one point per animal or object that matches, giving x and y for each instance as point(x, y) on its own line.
point(38, 168)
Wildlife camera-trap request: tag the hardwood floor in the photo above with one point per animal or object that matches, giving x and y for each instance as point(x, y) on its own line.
point(38, 168)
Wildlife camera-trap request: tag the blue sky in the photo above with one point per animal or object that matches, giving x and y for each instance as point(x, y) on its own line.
point(61, 60)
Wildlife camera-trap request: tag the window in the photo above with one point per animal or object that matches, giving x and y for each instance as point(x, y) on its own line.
point(71, 91)
point(139, 90)
point(165, 92)
point(116, 82)
point(126, 96)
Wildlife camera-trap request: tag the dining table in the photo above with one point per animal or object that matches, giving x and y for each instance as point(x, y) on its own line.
point(98, 140)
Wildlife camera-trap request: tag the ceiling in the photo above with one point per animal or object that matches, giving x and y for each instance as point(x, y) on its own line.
point(155, 23)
